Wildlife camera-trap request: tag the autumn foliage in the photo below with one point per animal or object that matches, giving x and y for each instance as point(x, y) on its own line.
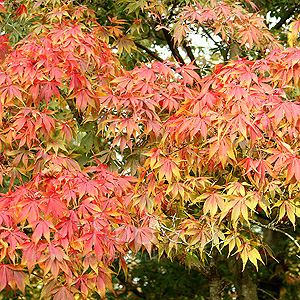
point(208, 155)
point(68, 223)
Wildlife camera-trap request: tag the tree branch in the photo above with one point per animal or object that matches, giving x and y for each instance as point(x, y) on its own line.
point(224, 53)
point(202, 269)
point(209, 36)
point(172, 47)
point(287, 15)
point(74, 111)
point(272, 227)
point(150, 52)
point(192, 57)
point(189, 52)
point(37, 275)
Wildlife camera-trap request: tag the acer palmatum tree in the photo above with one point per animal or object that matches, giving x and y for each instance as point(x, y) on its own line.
point(215, 158)
point(62, 225)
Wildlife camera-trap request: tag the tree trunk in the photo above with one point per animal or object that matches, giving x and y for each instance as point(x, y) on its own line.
point(215, 287)
point(245, 288)
point(215, 282)
point(211, 273)
point(271, 281)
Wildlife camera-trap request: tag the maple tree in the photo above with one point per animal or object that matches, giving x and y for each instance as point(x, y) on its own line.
point(98, 160)
point(67, 224)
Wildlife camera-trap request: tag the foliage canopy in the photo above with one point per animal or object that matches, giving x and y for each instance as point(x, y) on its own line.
point(105, 151)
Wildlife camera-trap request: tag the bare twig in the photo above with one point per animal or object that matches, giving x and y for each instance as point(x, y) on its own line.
point(37, 275)
point(224, 53)
point(162, 228)
point(268, 294)
point(150, 52)
point(272, 227)
point(209, 36)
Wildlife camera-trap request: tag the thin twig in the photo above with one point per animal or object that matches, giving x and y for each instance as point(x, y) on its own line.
point(162, 228)
point(271, 296)
point(209, 36)
point(37, 275)
point(272, 227)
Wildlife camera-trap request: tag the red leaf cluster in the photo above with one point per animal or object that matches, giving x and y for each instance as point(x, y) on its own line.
point(71, 226)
